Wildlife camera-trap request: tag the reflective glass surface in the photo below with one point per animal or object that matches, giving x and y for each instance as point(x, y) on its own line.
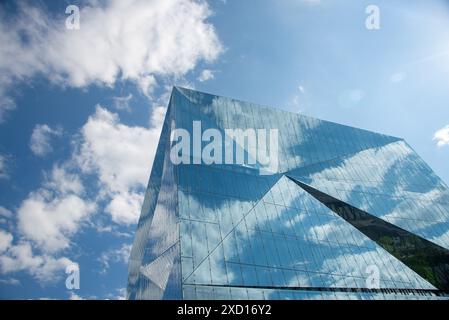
point(230, 231)
point(426, 258)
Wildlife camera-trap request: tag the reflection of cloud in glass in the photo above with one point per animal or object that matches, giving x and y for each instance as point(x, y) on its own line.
point(238, 229)
point(317, 248)
point(402, 191)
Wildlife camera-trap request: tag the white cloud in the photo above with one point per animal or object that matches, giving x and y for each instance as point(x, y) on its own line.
point(158, 117)
point(206, 75)
point(115, 255)
point(74, 296)
point(117, 151)
point(121, 294)
point(122, 103)
point(6, 102)
point(5, 212)
point(146, 84)
point(164, 39)
point(121, 156)
point(46, 221)
point(5, 240)
point(52, 214)
point(44, 268)
point(41, 137)
point(10, 281)
point(442, 136)
point(117, 294)
point(124, 207)
point(51, 221)
point(3, 167)
point(136, 40)
point(64, 182)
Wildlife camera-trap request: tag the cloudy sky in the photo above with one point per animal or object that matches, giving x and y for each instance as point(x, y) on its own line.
point(81, 109)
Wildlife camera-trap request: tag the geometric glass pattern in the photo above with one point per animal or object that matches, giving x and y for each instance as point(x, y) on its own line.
point(424, 257)
point(346, 214)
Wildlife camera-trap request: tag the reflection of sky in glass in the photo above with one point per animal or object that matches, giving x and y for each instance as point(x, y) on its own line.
point(390, 182)
point(278, 242)
point(240, 234)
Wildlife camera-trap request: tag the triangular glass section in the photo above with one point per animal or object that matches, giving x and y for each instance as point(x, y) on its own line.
point(289, 239)
point(159, 270)
point(427, 259)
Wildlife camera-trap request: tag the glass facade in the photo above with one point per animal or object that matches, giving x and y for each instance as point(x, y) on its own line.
point(346, 214)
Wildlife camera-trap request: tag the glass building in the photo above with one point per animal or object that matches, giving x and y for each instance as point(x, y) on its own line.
point(345, 213)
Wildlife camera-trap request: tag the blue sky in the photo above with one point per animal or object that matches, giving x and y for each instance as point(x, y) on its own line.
point(81, 110)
